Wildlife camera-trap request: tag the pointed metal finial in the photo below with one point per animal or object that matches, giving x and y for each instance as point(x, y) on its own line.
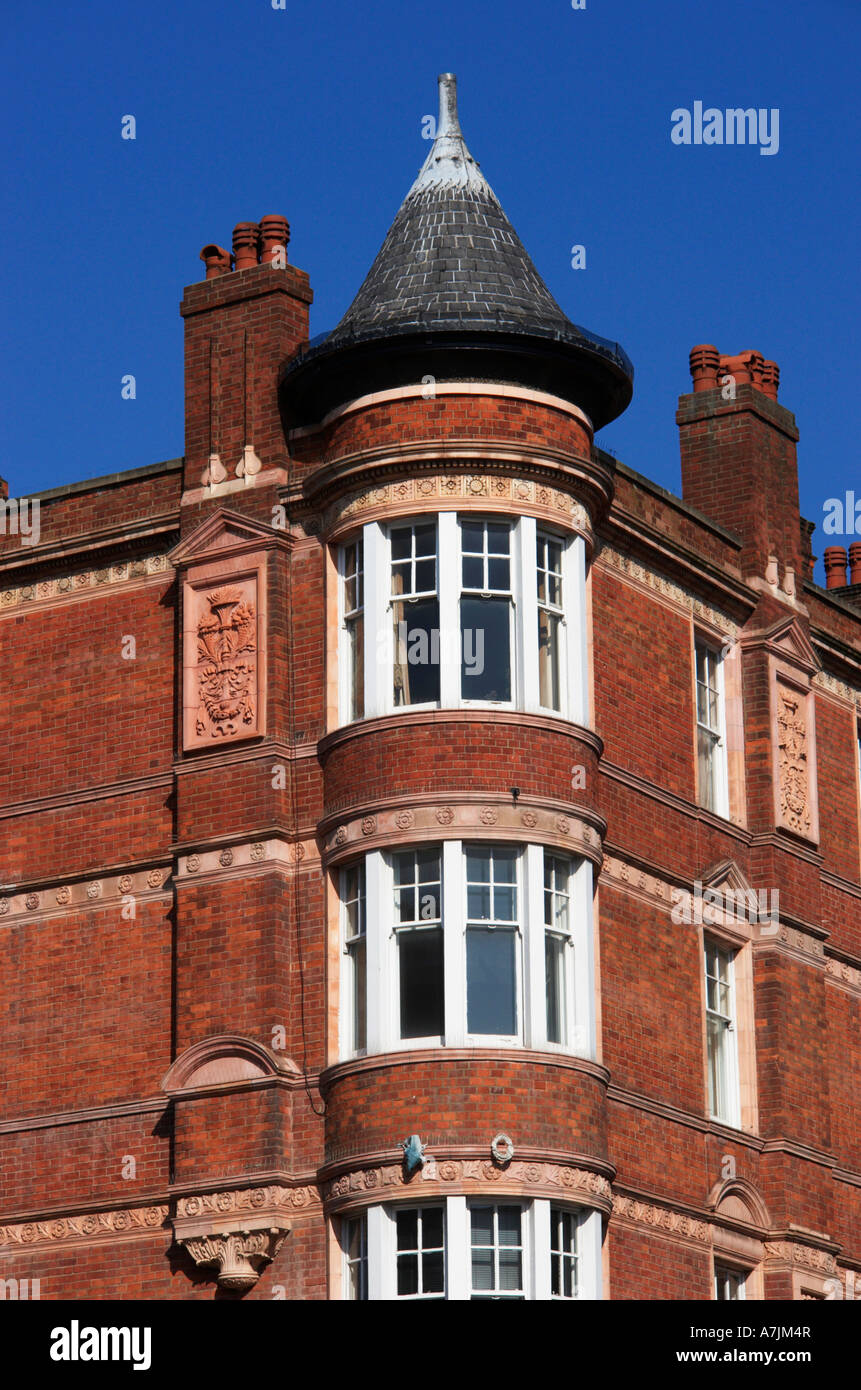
point(448, 123)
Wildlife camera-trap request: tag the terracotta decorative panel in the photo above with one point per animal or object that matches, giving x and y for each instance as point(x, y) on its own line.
point(224, 663)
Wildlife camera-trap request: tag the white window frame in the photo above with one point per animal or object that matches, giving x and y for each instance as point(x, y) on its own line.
point(726, 1276)
point(345, 694)
point(730, 1033)
point(721, 807)
point(381, 1246)
point(382, 1005)
point(525, 688)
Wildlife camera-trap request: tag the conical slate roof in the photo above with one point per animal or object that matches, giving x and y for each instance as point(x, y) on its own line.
point(451, 258)
point(453, 293)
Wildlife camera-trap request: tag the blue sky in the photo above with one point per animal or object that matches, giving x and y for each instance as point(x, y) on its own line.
point(316, 112)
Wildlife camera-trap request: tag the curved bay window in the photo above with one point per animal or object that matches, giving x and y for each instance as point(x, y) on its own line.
point(464, 943)
point(451, 610)
point(465, 1248)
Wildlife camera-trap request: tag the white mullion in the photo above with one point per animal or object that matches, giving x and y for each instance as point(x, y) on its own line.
point(575, 702)
point(454, 945)
point(458, 1251)
point(589, 1256)
point(540, 1253)
point(448, 590)
point(379, 1278)
point(378, 627)
point(723, 769)
point(535, 1022)
point(378, 953)
point(525, 587)
point(734, 1080)
point(581, 991)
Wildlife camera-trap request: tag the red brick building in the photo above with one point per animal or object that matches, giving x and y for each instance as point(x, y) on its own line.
point(430, 850)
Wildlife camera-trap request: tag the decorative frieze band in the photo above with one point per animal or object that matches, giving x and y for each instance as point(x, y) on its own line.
point(94, 892)
point(245, 1201)
point(69, 585)
point(449, 821)
point(93, 1226)
point(431, 489)
point(807, 1256)
point(255, 854)
point(681, 595)
point(841, 973)
point(366, 1186)
point(659, 1218)
point(239, 1231)
point(837, 687)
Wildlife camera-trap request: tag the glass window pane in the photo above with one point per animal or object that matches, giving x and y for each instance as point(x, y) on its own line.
point(509, 1225)
point(416, 652)
point(359, 994)
point(425, 576)
point(491, 979)
point(481, 1219)
point(421, 970)
point(482, 1269)
point(432, 1224)
point(401, 543)
point(486, 637)
point(554, 959)
point(505, 865)
point(509, 1269)
point(472, 536)
point(504, 904)
point(548, 660)
point(408, 1228)
point(433, 1273)
point(498, 538)
point(426, 538)
point(473, 572)
point(498, 574)
point(478, 902)
point(408, 1275)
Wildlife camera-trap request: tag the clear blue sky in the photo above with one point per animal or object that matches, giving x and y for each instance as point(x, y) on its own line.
point(316, 112)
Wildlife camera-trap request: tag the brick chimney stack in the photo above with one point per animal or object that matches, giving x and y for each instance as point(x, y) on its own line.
point(738, 456)
point(242, 323)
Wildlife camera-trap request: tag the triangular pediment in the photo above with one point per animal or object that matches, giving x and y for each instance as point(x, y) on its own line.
point(725, 874)
point(786, 638)
point(223, 531)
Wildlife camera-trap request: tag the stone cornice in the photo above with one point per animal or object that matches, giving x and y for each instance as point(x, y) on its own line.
point(128, 787)
point(239, 859)
point(156, 1105)
point(440, 1056)
point(521, 719)
point(682, 596)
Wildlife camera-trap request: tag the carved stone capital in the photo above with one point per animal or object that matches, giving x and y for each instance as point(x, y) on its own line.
point(239, 1231)
point(239, 1255)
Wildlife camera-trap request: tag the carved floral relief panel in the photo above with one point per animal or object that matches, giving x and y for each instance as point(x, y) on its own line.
point(795, 758)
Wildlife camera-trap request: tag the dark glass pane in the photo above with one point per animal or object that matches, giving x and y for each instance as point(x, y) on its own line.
point(485, 633)
point(509, 1269)
point(504, 904)
point(432, 1227)
point(482, 1269)
point(509, 1225)
point(422, 1013)
point(408, 1229)
point(498, 538)
point(408, 1275)
point(498, 574)
point(472, 536)
point(359, 995)
point(428, 862)
point(505, 865)
point(406, 905)
point(429, 903)
point(401, 543)
point(568, 1266)
point(426, 539)
point(404, 868)
point(473, 572)
point(554, 1274)
point(491, 981)
point(481, 1219)
point(425, 576)
point(433, 1277)
point(416, 652)
point(554, 960)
